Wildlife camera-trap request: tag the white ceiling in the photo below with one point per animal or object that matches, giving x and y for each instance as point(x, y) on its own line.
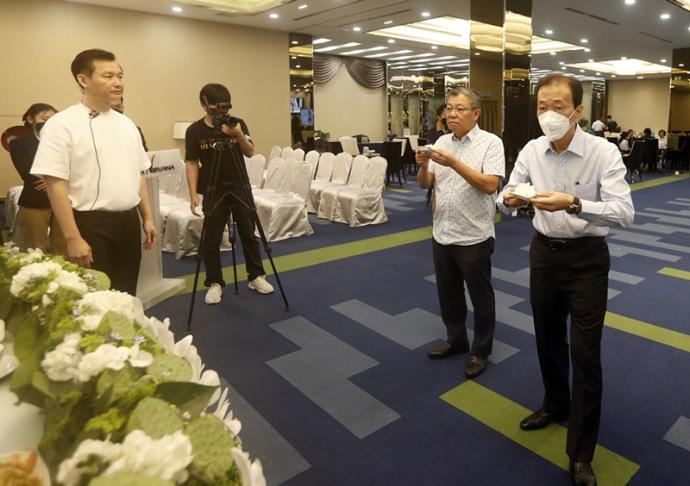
point(638, 31)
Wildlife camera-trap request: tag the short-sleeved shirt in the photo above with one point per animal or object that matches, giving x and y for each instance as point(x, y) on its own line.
point(199, 142)
point(100, 156)
point(465, 215)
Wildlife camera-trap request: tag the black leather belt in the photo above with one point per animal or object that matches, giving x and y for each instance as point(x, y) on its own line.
point(562, 243)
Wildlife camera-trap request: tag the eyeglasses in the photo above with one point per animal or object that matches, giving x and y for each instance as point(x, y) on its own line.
point(459, 110)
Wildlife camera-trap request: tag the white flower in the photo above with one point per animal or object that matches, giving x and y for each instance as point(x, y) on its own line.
point(224, 413)
point(2, 330)
point(94, 305)
point(46, 301)
point(160, 330)
point(70, 470)
point(62, 363)
point(139, 358)
point(251, 472)
point(27, 273)
point(69, 280)
point(185, 349)
point(105, 356)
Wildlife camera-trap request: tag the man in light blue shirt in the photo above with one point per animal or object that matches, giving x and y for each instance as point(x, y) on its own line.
point(581, 191)
point(465, 168)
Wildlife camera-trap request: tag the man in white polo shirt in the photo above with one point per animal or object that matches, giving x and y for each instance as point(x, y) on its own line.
point(92, 159)
point(465, 168)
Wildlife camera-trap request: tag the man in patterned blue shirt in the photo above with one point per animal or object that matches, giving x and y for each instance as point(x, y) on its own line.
point(465, 168)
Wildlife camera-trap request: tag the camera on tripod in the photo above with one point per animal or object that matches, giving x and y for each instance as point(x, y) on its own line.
point(220, 115)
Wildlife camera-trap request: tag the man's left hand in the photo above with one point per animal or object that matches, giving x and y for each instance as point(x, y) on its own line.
point(443, 157)
point(552, 201)
point(232, 131)
point(150, 231)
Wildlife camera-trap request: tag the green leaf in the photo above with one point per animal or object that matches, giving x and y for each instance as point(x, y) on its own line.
point(27, 337)
point(187, 396)
point(7, 301)
point(95, 279)
point(116, 323)
point(211, 444)
point(155, 417)
point(22, 381)
point(169, 367)
point(127, 479)
point(117, 383)
point(40, 383)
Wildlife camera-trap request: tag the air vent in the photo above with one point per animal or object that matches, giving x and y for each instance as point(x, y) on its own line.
point(655, 37)
point(592, 16)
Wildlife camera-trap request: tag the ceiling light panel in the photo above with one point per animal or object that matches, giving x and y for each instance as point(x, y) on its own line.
point(624, 67)
point(359, 51)
point(333, 48)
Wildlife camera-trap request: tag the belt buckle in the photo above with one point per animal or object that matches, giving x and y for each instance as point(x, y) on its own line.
point(556, 243)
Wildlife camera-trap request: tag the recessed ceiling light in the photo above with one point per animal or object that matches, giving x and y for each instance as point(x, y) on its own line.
point(665, 16)
point(177, 9)
point(552, 53)
point(613, 75)
point(293, 57)
point(584, 41)
point(434, 47)
point(582, 70)
point(681, 65)
point(426, 14)
point(663, 60)
point(564, 68)
point(548, 32)
point(587, 49)
point(598, 74)
point(623, 58)
point(590, 60)
point(320, 40)
point(388, 22)
point(303, 6)
point(640, 77)
point(357, 28)
point(294, 43)
point(274, 15)
point(476, 53)
point(298, 66)
point(688, 28)
point(391, 41)
point(561, 62)
point(630, 2)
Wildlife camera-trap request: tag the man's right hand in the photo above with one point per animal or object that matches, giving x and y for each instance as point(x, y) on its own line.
point(422, 158)
point(193, 203)
point(79, 251)
point(512, 201)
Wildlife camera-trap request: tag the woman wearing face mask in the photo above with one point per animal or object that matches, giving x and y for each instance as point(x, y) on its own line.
point(440, 127)
point(580, 192)
point(35, 217)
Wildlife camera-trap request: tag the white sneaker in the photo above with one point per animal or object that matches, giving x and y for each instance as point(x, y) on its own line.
point(261, 285)
point(214, 294)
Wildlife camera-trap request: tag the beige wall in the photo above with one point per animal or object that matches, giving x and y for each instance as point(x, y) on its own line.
point(640, 103)
point(343, 107)
point(680, 110)
point(166, 61)
point(587, 102)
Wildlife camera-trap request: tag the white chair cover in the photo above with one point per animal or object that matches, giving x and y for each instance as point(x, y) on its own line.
point(402, 147)
point(298, 154)
point(312, 158)
point(284, 214)
point(349, 145)
point(414, 142)
point(277, 179)
point(11, 210)
point(341, 171)
point(329, 195)
point(255, 170)
point(287, 153)
point(275, 153)
point(363, 206)
point(323, 177)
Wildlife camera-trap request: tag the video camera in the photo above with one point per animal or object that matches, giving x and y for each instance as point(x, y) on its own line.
point(219, 114)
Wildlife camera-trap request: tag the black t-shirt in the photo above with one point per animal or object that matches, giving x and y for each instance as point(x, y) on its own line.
point(199, 140)
point(23, 150)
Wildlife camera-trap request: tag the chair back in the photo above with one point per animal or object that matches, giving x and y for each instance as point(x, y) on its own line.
point(300, 179)
point(312, 158)
point(298, 154)
point(359, 169)
point(278, 176)
point(633, 161)
point(287, 153)
point(414, 142)
point(404, 145)
point(255, 169)
point(375, 175)
point(349, 145)
point(275, 152)
point(341, 168)
point(391, 152)
point(325, 170)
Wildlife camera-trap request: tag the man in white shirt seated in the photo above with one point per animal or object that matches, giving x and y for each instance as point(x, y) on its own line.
point(465, 167)
point(598, 127)
point(92, 159)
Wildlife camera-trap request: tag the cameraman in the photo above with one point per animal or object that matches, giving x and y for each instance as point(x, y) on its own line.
point(229, 185)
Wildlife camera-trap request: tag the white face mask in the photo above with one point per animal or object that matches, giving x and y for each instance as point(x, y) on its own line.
point(554, 125)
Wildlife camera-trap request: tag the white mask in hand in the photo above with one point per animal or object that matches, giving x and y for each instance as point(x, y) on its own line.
point(554, 125)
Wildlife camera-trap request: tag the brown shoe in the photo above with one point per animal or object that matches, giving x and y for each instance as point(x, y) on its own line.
point(445, 350)
point(474, 367)
point(540, 419)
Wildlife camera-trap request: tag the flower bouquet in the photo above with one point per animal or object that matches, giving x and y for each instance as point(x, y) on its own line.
point(124, 403)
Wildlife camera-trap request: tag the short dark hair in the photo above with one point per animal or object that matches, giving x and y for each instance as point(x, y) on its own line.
point(573, 83)
point(214, 93)
point(34, 110)
point(83, 62)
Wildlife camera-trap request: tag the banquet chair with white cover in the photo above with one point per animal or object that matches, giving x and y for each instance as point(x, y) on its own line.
point(255, 170)
point(312, 158)
point(329, 196)
point(324, 172)
point(11, 210)
point(277, 179)
point(341, 172)
point(274, 153)
point(349, 145)
point(287, 153)
point(360, 206)
point(283, 213)
point(298, 154)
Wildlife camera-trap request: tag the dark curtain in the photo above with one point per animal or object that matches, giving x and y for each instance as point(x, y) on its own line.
point(366, 72)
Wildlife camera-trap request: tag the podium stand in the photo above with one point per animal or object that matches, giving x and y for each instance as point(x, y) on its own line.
point(152, 288)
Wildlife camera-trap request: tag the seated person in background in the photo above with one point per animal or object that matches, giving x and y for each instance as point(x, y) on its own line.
point(663, 144)
point(439, 127)
point(647, 133)
point(611, 124)
point(625, 142)
point(598, 127)
point(120, 108)
point(35, 217)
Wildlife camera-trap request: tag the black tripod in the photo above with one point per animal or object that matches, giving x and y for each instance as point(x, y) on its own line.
point(213, 203)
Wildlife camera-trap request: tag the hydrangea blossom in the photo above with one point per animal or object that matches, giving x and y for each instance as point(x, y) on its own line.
point(46, 270)
point(251, 472)
point(165, 458)
point(93, 306)
point(105, 356)
point(62, 363)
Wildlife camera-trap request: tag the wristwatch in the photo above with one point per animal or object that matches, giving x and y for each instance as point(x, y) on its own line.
point(575, 207)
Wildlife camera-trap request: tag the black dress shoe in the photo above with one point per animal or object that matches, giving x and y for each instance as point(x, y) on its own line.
point(540, 419)
point(583, 474)
point(474, 366)
point(445, 350)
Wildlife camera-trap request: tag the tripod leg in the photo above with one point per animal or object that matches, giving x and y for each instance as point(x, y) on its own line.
point(232, 235)
point(267, 249)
